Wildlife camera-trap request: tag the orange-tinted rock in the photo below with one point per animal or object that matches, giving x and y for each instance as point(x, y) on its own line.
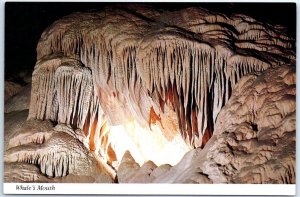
point(254, 139)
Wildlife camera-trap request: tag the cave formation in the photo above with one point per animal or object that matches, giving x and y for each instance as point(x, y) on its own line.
point(132, 94)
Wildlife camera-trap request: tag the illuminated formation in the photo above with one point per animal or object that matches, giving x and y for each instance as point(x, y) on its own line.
point(162, 78)
point(188, 64)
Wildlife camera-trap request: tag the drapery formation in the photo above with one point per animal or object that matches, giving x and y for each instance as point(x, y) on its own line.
point(135, 62)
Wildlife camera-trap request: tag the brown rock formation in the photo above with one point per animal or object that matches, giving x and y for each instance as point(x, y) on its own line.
point(127, 168)
point(54, 153)
point(254, 140)
point(141, 63)
point(10, 89)
point(20, 101)
point(130, 172)
point(224, 84)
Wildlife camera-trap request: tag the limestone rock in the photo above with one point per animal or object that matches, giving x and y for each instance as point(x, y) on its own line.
point(258, 129)
point(144, 64)
point(13, 122)
point(127, 169)
point(144, 174)
point(185, 171)
point(10, 89)
point(22, 172)
point(130, 172)
point(225, 84)
point(255, 136)
point(20, 101)
point(55, 153)
point(162, 169)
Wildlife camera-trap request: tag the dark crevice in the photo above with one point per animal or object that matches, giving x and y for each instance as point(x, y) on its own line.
point(254, 127)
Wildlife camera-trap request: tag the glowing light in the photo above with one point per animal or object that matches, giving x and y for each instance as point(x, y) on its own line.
point(145, 144)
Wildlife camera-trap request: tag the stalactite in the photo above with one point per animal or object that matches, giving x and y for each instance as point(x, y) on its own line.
point(138, 64)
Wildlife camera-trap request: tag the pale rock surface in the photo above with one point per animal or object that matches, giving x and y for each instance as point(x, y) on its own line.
point(56, 155)
point(130, 172)
point(254, 139)
point(176, 69)
point(160, 170)
point(127, 169)
point(189, 72)
point(143, 175)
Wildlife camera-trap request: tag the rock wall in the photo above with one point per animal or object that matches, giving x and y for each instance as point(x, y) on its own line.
point(225, 84)
point(144, 64)
point(255, 136)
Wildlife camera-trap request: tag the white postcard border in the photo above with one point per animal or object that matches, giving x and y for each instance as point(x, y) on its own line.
point(149, 189)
